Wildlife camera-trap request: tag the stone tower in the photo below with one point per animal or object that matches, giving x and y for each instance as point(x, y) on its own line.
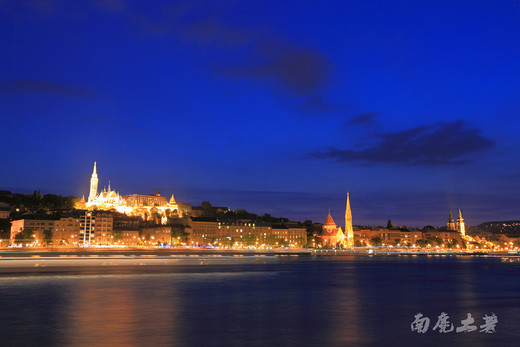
point(93, 185)
point(461, 228)
point(349, 231)
point(451, 223)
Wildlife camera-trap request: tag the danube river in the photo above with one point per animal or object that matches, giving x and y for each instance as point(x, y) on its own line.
point(264, 301)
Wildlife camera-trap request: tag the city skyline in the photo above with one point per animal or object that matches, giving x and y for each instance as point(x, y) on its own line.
point(275, 108)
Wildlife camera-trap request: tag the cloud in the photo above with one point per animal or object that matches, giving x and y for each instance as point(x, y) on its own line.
point(428, 145)
point(302, 72)
point(43, 87)
point(363, 119)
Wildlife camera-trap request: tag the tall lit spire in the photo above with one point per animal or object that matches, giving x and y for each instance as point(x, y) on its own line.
point(93, 184)
point(349, 231)
point(461, 227)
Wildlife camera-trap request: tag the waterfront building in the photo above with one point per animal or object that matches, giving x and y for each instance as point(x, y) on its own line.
point(244, 232)
point(332, 235)
point(96, 228)
point(40, 229)
point(130, 238)
point(157, 235)
point(66, 231)
point(291, 233)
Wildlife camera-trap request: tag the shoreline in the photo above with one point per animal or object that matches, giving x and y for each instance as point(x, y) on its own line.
point(18, 262)
point(81, 252)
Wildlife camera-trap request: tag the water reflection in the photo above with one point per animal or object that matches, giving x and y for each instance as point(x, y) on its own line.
point(333, 301)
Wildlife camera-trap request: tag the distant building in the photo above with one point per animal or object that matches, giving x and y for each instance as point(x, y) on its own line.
point(292, 233)
point(136, 204)
point(96, 228)
point(39, 228)
point(154, 236)
point(130, 238)
point(243, 232)
point(5, 212)
point(66, 232)
point(389, 236)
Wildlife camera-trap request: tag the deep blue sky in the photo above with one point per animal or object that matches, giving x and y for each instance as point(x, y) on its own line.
point(272, 106)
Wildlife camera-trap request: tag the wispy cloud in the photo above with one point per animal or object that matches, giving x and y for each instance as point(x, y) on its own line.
point(299, 71)
point(363, 119)
point(43, 87)
point(427, 145)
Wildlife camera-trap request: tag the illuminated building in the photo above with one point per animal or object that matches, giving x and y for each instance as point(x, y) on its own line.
point(242, 232)
point(38, 227)
point(130, 237)
point(96, 228)
point(145, 206)
point(66, 231)
point(332, 235)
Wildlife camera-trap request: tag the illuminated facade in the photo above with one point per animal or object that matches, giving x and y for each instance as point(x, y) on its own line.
point(461, 228)
point(332, 235)
point(145, 206)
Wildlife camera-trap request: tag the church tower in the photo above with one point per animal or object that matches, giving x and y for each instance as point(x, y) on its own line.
point(461, 228)
point(329, 225)
point(349, 231)
point(93, 185)
point(451, 223)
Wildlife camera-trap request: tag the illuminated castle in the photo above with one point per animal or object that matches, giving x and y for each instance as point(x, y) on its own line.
point(135, 205)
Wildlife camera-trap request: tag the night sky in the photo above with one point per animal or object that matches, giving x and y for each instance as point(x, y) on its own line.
point(273, 106)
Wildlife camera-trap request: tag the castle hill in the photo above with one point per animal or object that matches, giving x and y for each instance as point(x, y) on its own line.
point(107, 221)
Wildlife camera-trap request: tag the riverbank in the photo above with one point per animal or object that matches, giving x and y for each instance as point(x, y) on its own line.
point(79, 252)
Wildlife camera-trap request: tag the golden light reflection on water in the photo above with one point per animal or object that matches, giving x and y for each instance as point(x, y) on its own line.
point(119, 315)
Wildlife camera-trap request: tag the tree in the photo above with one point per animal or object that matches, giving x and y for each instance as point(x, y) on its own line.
point(421, 243)
point(376, 241)
point(389, 224)
point(26, 236)
point(47, 236)
point(249, 239)
point(300, 241)
point(118, 234)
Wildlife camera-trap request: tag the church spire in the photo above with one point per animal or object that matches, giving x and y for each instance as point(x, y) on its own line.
point(349, 230)
point(93, 184)
point(451, 222)
point(461, 227)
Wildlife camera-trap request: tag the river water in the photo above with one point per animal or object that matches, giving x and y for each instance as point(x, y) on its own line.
point(296, 301)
